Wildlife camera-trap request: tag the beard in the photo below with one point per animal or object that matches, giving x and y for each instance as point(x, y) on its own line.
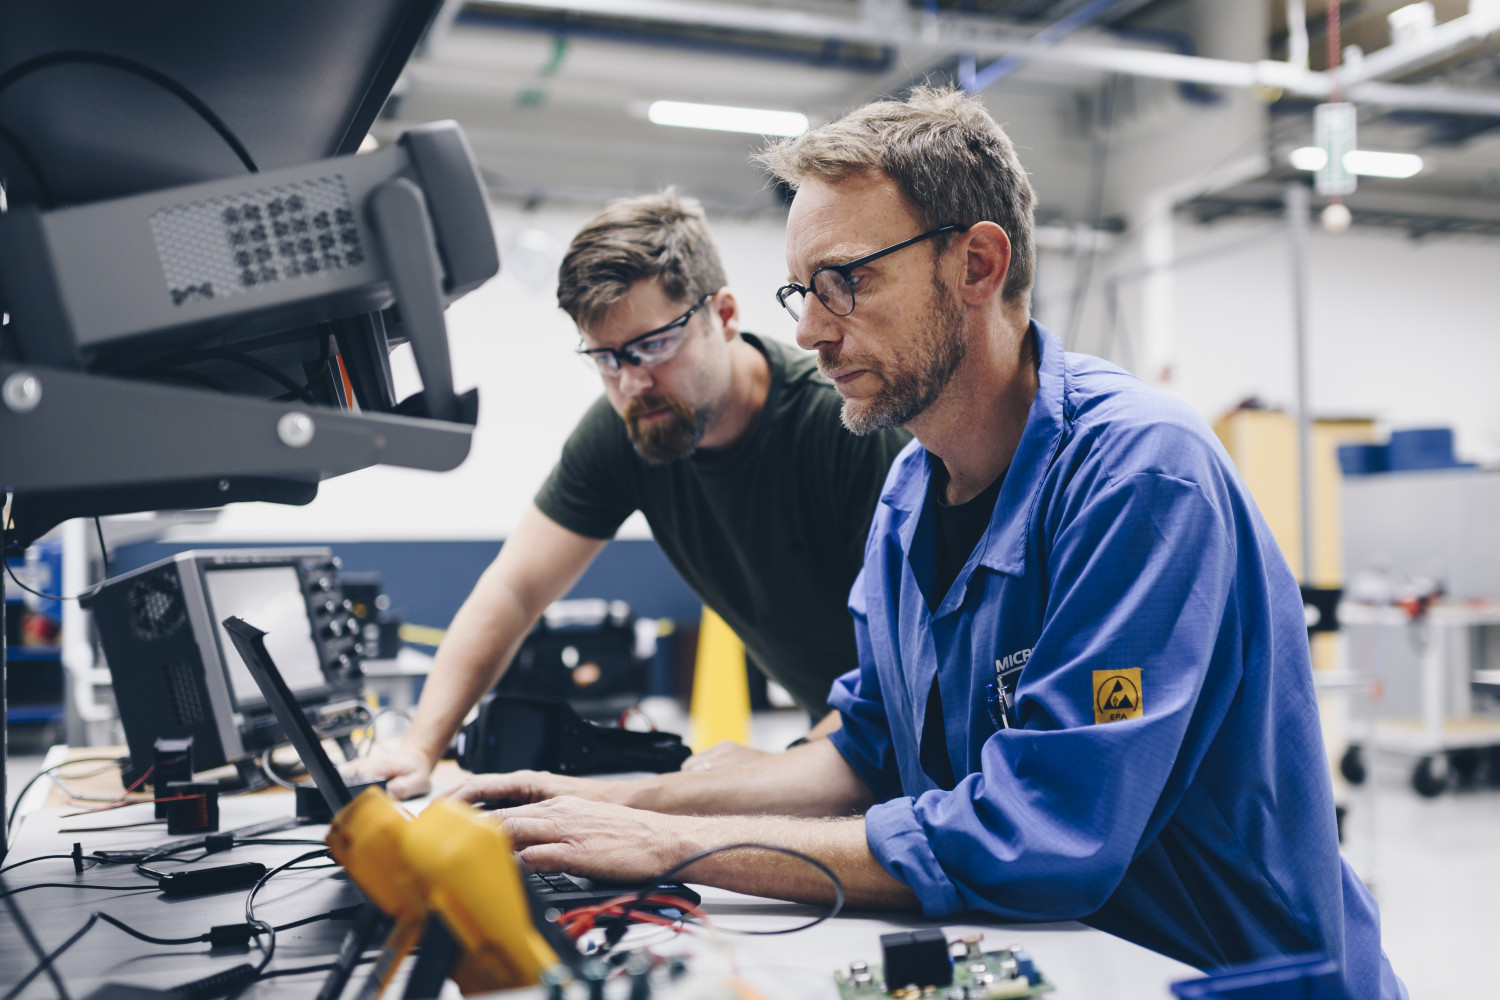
point(664, 438)
point(911, 385)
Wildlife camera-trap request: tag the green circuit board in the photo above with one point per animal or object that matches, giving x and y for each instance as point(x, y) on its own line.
point(976, 974)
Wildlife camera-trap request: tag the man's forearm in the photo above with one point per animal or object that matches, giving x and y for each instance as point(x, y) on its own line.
point(480, 642)
point(812, 780)
point(838, 843)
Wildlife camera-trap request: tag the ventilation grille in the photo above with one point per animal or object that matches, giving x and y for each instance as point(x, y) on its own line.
point(244, 242)
point(182, 691)
point(156, 608)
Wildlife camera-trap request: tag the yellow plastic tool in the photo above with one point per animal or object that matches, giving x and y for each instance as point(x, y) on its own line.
point(474, 887)
point(367, 839)
point(449, 864)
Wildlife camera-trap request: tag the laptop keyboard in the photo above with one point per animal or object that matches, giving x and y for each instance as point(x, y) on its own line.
point(548, 885)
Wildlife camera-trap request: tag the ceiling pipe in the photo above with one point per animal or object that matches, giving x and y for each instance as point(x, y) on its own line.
point(975, 80)
point(1444, 40)
point(958, 34)
point(1296, 33)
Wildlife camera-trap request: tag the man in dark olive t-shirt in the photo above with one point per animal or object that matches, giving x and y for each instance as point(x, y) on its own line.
point(731, 445)
point(768, 531)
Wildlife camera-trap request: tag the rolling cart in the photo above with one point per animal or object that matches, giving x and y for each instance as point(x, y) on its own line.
point(1435, 719)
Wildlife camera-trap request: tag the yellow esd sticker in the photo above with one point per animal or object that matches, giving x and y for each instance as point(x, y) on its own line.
point(1117, 695)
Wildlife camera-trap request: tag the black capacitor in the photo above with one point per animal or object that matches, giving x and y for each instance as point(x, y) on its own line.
point(916, 958)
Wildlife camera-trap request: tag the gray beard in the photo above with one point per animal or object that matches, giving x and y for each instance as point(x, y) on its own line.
point(910, 391)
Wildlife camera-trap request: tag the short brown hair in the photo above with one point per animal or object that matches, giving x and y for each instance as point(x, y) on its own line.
point(662, 235)
point(950, 159)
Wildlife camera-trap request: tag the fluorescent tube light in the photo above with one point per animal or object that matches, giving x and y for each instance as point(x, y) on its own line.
point(1365, 162)
point(1369, 163)
point(756, 121)
point(1309, 158)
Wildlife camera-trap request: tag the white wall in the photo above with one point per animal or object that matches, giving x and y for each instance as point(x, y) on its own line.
point(511, 341)
point(1401, 331)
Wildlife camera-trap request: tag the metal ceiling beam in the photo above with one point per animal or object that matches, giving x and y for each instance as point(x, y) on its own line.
point(963, 34)
point(1450, 38)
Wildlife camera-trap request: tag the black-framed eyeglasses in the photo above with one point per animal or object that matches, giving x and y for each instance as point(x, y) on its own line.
point(652, 348)
point(833, 284)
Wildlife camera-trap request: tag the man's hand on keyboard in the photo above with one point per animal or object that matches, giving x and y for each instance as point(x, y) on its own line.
point(594, 839)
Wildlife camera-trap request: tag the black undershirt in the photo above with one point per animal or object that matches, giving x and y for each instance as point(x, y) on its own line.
point(957, 529)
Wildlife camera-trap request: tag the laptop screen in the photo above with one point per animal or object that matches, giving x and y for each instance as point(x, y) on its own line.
point(251, 644)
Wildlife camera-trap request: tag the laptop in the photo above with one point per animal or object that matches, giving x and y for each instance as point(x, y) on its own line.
point(551, 890)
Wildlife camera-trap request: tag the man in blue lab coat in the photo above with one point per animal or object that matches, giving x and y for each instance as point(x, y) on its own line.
point(1084, 688)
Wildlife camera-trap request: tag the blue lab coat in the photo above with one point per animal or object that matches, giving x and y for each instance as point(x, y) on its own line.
point(1127, 696)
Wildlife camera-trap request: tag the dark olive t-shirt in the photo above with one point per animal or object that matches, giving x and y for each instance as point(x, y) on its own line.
point(769, 532)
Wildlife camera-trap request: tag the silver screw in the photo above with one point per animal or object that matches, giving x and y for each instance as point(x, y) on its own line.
point(295, 430)
point(223, 486)
point(22, 392)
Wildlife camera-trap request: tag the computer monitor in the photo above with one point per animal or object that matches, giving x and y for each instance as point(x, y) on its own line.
point(176, 671)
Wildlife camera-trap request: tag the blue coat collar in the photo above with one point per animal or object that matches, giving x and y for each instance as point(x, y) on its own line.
point(1003, 548)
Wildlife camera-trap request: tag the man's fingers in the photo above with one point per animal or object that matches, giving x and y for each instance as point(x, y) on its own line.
point(548, 858)
point(526, 831)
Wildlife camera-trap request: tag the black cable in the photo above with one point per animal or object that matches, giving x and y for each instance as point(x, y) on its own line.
point(833, 911)
point(73, 885)
point(36, 947)
point(10, 824)
point(48, 961)
point(51, 597)
point(103, 549)
point(309, 969)
point(192, 100)
point(342, 913)
point(279, 840)
point(263, 928)
point(40, 857)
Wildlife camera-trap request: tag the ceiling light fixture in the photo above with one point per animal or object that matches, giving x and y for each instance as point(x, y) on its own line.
point(1365, 162)
point(756, 121)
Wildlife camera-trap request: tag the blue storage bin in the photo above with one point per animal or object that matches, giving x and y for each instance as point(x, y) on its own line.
point(1362, 459)
point(1288, 977)
point(1422, 448)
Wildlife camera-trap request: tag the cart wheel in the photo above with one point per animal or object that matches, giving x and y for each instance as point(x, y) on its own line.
point(1430, 777)
point(1464, 764)
point(1352, 765)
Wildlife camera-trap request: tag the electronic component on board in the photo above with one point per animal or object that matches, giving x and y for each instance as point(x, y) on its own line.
point(914, 970)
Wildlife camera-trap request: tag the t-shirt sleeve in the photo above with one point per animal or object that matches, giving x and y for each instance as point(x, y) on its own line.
point(589, 489)
point(1139, 590)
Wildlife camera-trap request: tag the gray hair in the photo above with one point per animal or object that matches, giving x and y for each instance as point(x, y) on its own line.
point(662, 235)
point(945, 153)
